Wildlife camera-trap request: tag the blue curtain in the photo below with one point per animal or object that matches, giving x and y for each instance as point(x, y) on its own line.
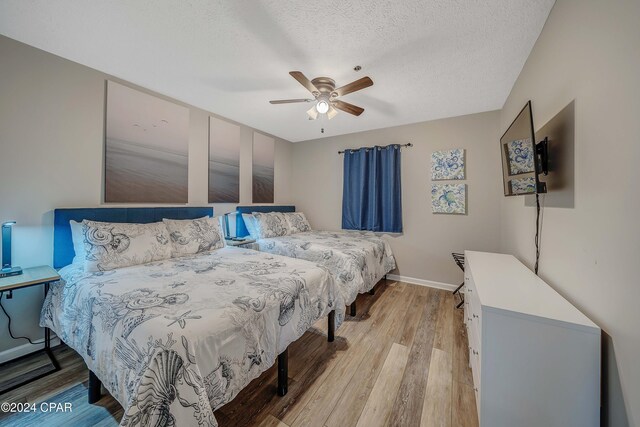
point(372, 196)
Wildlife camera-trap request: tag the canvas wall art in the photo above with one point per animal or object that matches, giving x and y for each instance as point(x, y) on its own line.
point(521, 156)
point(224, 161)
point(447, 164)
point(449, 198)
point(147, 148)
point(263, 167)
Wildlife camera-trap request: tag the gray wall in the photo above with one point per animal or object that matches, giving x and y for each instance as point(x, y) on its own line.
point(423, 251)
point(51, 155)
point(589, 51)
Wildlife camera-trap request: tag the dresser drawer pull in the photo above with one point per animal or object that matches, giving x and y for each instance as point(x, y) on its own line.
point(476, 316)
point(475, 352)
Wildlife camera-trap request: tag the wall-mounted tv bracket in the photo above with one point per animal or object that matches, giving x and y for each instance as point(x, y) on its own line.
point(542, 157)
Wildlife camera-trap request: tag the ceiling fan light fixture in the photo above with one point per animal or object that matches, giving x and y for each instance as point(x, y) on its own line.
point(322, 106)
point(313, 113)
point(332, 112)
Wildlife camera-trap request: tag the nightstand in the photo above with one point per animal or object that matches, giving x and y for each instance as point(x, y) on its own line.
point(240, 243)
point(34, 276)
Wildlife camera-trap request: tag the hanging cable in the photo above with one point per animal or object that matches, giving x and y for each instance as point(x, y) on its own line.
point(9, 323)
point(537, 238)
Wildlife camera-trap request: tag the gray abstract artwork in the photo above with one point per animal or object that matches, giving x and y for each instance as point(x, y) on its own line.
point(224, 161)
point(263, 160)
point(147, 147)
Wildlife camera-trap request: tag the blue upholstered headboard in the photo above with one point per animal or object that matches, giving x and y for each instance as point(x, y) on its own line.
point(241, 228)
point(63, 252)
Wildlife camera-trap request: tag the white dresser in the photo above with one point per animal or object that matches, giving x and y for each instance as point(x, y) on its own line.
point(535, 358)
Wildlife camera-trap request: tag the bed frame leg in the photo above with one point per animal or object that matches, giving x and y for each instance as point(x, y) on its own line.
point(372, 291)
point(352, 309)
point(283, 372)
point(331, 326)
point(94, 388)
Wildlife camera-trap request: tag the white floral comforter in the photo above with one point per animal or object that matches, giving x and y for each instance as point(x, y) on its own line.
point(174, 340)
point(357, 260)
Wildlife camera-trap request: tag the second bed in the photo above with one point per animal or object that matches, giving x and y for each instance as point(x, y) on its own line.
point(357, 260)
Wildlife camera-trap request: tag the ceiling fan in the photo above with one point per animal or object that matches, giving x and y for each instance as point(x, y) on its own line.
point(326, 95)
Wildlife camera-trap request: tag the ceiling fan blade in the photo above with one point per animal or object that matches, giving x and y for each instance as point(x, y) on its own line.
point(354, 86)
point(348, 108)
point(289, 101)
point(304, 81)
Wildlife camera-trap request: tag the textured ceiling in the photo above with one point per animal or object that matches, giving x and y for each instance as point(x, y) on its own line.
point(428, 58)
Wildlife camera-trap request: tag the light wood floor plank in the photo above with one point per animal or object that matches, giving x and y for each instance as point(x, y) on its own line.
point(379, 405)
point(436, 411)
point(444, 337)
point(461, 368)
point(271, 421)
point(464, 412)
point(412, 319)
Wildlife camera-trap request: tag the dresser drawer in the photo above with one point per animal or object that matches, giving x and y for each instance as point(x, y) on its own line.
point(474, 361)
point(474, 318)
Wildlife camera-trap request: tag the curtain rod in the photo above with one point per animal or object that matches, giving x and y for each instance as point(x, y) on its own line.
point(355, 149)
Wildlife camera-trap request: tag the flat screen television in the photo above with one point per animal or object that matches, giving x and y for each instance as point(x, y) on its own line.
point(522, 159)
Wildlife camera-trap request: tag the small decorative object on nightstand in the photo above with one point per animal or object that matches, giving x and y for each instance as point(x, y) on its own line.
point(240, 243)
point(43, 275)
point(7, 270)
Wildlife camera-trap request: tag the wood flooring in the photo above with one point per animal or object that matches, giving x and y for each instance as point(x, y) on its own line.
point(402, 361)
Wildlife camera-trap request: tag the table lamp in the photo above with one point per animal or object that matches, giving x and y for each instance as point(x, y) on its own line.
point(7, 270)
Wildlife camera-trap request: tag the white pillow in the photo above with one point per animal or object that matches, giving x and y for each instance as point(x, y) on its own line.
point(250, 223)
point(297, 222)
point(108, 245)
point(193, 236)
point(78, 241)
point(271, 224)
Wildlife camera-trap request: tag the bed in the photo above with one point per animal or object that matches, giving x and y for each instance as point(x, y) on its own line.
point(357, 260)
point(176, 339)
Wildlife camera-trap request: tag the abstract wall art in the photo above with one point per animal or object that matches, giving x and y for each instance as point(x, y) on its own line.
point(449, 198)
point(263, 167)
point(447, 164)
point(146, 148)
point(224, 161)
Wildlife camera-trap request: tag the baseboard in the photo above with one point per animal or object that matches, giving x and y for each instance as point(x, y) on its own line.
point(24, 349)
point(422, 282)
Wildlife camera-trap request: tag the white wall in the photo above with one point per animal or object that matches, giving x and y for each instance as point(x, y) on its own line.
point(589, 51)
point(423, 251)
point(51, 156)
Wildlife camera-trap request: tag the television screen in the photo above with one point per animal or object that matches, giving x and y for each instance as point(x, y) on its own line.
point(519, 159)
